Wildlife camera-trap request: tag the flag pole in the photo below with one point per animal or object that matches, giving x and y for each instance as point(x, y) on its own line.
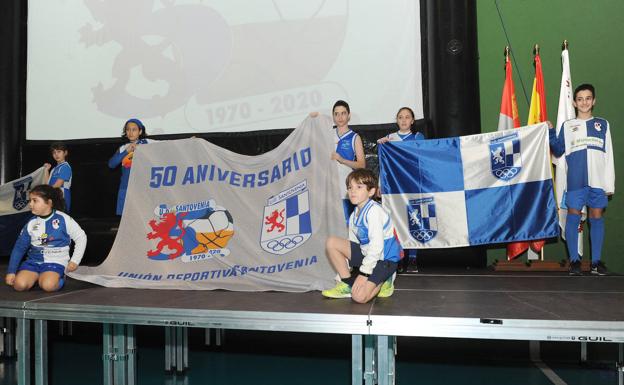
point(541, 255)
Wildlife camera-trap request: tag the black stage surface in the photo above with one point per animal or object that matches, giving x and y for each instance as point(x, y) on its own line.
point(508, 306)
point(490, 297)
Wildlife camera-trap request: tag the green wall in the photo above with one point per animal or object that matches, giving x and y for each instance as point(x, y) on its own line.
point(594, 30)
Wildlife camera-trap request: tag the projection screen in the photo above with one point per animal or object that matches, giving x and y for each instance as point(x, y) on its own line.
point(216, 66)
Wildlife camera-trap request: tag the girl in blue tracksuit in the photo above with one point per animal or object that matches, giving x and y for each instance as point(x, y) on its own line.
point(45, 240)
point(405, 120)
point(134, 132)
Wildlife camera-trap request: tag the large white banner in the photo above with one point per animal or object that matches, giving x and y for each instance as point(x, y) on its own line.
point(198, 216)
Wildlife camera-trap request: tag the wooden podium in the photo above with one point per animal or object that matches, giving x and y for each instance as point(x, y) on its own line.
point(537, 265)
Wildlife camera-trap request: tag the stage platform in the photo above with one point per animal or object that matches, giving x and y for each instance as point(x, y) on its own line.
point(532, 307)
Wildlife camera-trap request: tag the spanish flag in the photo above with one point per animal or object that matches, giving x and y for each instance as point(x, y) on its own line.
point(537, 110)
point(537, 114)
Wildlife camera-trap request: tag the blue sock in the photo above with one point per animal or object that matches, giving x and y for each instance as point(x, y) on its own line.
point(61, 283)
point(571, 233)
point(596, 235)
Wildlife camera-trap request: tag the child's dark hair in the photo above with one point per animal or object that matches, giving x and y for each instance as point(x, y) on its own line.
point(363, 176)
point(341, 103)
point(139, 124)
point(47, 192)
point(585, 87)
point(58, 146)
point(406, 109)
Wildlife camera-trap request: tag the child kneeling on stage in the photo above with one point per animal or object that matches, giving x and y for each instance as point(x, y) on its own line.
point(372, 246)
point(45, 239)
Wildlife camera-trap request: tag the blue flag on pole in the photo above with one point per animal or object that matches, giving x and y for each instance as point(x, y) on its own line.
point(470, 190)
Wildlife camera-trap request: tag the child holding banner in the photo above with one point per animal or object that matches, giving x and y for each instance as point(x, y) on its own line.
point(372, 246)
point(405, 120)
point(586, 143)
point(349, 151)
point(61, 175)
point(45, 239)
point(134, 132)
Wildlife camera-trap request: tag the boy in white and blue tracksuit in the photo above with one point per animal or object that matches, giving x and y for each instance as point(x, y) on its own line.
point(365, 227)
point(586, 144)
point(372, 250)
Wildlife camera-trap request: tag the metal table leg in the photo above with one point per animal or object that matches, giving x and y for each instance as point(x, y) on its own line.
point(176, 349)
point(41, 352)
point(169, 348)
point(180, 349)
point(369, 359)
point(120, 364)
point(23, 351)
point(108, 354)
point(132, 358)
point(385, 360)
point(356, 360)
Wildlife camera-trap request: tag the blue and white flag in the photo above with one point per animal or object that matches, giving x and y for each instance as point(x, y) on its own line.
point(470, 190)
point(14, 209)
point(200, 217)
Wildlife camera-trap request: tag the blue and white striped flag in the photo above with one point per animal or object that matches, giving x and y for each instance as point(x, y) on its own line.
point(14, 208)
point(470, 190)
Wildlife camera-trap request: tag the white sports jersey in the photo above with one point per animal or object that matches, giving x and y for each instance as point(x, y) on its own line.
point(588, 151)
point(47, 240)
point(372, 228)
point(397, 136)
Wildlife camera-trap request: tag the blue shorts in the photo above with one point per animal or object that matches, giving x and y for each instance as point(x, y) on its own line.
point(587, 196)
point(42, 267)
point(382, 270)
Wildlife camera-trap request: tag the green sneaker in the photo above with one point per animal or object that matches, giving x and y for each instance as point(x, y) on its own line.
point(387, 289)
point(341, 290)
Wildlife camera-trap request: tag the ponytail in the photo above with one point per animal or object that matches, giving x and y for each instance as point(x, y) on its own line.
point(47, 192)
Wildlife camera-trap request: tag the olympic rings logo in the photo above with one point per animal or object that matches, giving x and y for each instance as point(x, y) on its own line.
point(284, 243)
point(423, 235)
point(506, 173)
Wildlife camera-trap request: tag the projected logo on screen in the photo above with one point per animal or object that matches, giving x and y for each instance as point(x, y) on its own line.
point(194, 231)
point(193, 55)
point(286, 222)
point(505, 156)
